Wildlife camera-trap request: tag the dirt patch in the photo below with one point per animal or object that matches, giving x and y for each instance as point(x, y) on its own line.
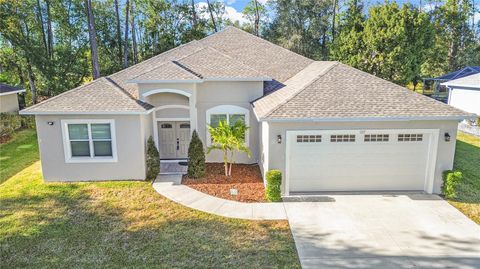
point(5, 138)
point(246, 178)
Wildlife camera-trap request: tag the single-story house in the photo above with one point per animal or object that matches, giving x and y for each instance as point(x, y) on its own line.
point(464, 93)
point(9, 98)
point(325, 125)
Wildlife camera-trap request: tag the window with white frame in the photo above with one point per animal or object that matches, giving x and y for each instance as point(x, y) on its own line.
point(227, 113)
point(89, 140)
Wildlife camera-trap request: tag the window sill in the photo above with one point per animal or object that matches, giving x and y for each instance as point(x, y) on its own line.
point(92, 160)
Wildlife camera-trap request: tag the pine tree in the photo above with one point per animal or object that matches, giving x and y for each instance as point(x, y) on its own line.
point(196, 157)
point(153, 160)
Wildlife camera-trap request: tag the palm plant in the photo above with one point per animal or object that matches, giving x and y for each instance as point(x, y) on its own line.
point(228, 139)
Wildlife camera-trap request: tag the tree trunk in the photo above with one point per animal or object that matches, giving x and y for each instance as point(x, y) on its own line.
point(335, 3)
point(134, 38)
point(125, 47)
point(257, 20)
point(92, 34)
point(194, 15)
point(31, 81)
point(119, 33)
point(211, 16)
point(225, 162)
point(42, 25)
point(49, 30)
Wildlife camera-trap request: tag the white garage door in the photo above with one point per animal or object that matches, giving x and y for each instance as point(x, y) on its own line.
point(354, 160)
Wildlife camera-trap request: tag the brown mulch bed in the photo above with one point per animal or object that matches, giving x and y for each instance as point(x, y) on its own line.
point(246, 178)
point(5, 138)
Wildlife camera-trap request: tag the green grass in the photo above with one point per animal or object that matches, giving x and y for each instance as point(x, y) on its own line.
point(467, 160)
point(125, 224)
point(19, 152)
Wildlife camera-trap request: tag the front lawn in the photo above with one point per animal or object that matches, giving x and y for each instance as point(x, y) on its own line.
point(467, 160)
point(126, 224)
point(19, 152)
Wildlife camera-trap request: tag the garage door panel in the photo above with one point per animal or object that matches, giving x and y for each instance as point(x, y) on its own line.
point(359, 165)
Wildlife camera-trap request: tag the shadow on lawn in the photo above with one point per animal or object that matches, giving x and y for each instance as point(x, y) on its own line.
point(81, 225)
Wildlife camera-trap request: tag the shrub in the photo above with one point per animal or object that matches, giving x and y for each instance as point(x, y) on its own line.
point(273, 192)
point(196, 157)
point(450, 181)
point(153, 160)
point(9, 123)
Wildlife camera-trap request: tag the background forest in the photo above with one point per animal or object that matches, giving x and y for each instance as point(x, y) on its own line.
point(51, 46)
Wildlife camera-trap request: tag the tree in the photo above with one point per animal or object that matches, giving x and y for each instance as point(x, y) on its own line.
point(118, 32)
point(93, 39)
point(153, 160)
point(347, 47)
point(302, 26)
point(210, 10)
point(256, 14)
point(228, 139)
point(196, 157)
point(125, 47)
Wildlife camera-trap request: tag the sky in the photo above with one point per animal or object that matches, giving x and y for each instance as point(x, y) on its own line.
point(234, 8)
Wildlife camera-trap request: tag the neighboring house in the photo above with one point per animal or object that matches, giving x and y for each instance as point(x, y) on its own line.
point(325, 125)
point(464, 93)
point(437, 84)
point(9, 98)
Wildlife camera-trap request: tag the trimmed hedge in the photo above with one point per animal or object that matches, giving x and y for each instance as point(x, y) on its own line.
point(153, 160)
point(273, 192)
point(450, 181)
point(196, 157)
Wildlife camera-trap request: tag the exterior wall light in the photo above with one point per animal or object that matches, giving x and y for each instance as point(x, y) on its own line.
point(279, 139)
point(447, 137)
point(50, 123)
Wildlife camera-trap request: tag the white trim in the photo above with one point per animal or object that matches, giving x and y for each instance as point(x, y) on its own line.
point(22, 112)
point(151, 92)
point(460, 86)
point(431, 157)
point(227, 109)
point(239, 79)
point(66, 142)
point(12, 92)
point(457, 118)
point(171, 106)
point(172, 119)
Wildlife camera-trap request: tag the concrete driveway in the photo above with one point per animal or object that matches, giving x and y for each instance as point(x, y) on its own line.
point(383, 231)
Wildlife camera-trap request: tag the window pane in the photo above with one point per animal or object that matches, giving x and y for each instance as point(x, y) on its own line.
point(237, 117)
point(102, 148)
point(101, 131)
point(78, 131)
point(80, 148)
point(216, 118)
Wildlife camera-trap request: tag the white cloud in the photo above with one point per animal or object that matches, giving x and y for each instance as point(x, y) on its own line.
point(230, 13)
point(476, 18)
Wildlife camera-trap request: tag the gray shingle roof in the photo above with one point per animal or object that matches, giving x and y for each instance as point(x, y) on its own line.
point(209, 63)
point(343, 92)
point(300, 88)
point(472, 81)
point(99, 96)
point(5, 88)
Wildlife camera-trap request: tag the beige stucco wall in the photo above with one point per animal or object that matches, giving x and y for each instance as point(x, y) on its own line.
point(130, 132)
point(205, 96)
point(8, 103)
point(445, 154)
point(211, 94)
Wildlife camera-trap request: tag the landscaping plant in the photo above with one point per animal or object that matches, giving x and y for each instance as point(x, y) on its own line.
point(196, 157)
point(153, 160)
point(450, 181)
point(228, 139)
point(273, 192)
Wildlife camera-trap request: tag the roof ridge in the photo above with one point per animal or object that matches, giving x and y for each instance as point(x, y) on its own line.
point(254, 36)
point(62, 94)
point(187, 69)
point(116, 86)
point(334, 63)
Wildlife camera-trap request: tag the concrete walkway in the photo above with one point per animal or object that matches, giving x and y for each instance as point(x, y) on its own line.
point(170, 186)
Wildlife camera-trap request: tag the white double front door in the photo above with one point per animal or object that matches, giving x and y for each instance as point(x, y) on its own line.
point(173, 139)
